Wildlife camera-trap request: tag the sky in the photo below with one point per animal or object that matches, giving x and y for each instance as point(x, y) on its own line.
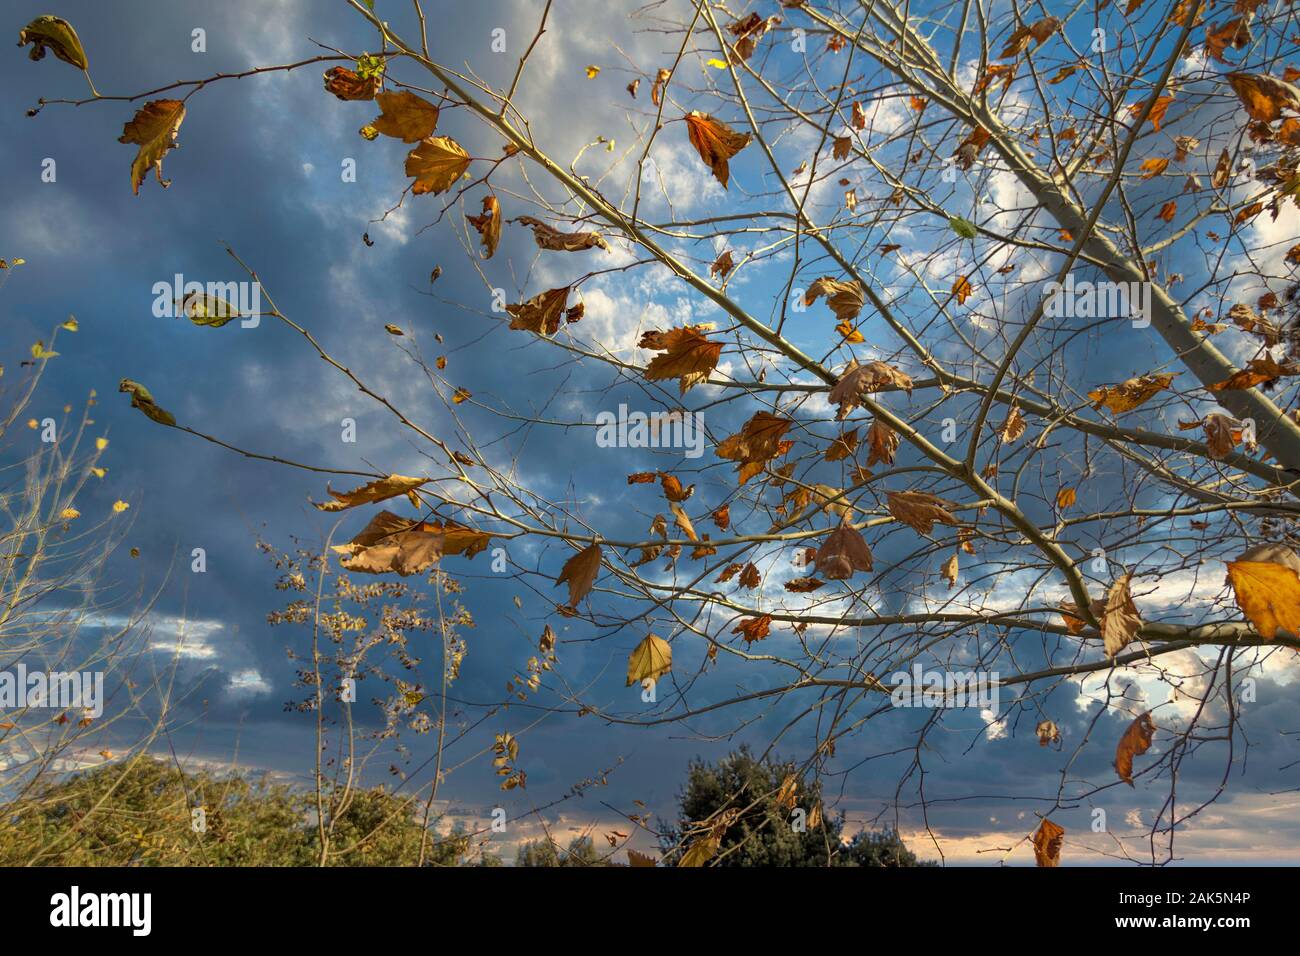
point(259, 168)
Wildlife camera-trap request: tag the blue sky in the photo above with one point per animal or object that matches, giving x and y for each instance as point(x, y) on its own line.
point(258, 167)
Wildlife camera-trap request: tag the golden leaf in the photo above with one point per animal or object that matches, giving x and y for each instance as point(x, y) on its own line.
point(1065, 498)
point(1268, 593)
point(651, 659)
point(57, 34)
point(405, 116)
point(488, 225)
point(436, 164)
point(1013, 427)
point(1128, 395)
point(949, 570)
point(1264, 97)
point(153, 129)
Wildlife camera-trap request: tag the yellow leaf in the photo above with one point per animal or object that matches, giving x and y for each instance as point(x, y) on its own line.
point(1269, 595)
point(593, 72)
point(100, 443)
point(1065, 498)
point(154, 130)
point(436, 164)
point(68, 514)
point(1128, 395)
point(405, 116)
point(119, 506)
point(652, 659)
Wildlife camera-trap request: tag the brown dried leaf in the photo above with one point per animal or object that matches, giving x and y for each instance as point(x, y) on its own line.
point(715, 141)
point(580, 573)
point(1135, 742)
point(843, 552)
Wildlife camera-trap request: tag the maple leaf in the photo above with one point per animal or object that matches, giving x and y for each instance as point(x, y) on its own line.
point(715, 141)
point(436, 164)
point(541, 313)
point(405, 116)
point(688, 356)
point(154, 129)
point(488, 225)
point(757, 442)
point(1047, 843)
point(380, 489)
point(1135, 742)
point(843, 553)
point(753, 628)
point(920, 510)
point(580, 573)
point(651, 659)
point(141, 399)
point(551, 239)
point(391, 543)
point(1267, 587)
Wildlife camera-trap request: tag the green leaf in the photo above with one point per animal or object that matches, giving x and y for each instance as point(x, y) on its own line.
point(57, 34)
point(963, 227)
point(141, 399)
